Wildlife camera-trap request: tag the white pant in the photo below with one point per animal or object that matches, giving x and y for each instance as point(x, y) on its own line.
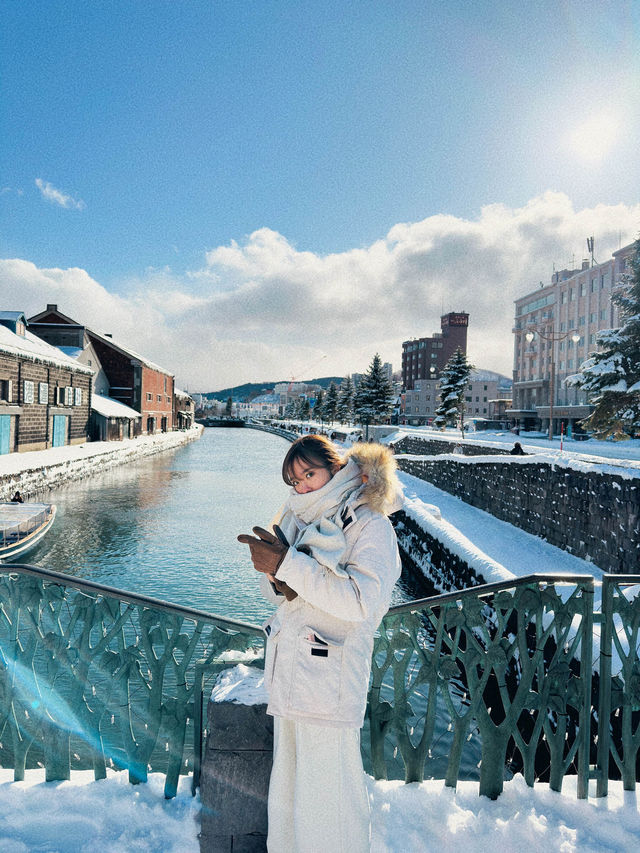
point(318, 801)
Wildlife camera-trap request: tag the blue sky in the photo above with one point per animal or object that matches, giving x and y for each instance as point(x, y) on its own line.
point(180, 160)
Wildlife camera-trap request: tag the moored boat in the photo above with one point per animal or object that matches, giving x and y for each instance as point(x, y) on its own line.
point(22, 525)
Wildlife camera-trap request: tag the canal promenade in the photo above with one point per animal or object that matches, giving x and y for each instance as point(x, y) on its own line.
point(39, 471)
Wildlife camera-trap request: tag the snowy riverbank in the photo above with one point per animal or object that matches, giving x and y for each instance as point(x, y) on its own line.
point(39, 471)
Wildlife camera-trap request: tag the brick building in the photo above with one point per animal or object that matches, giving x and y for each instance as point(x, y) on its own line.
point(577, 303)
point(424, 358)
point(120, 373)
point(45, 396)
point(184, 410)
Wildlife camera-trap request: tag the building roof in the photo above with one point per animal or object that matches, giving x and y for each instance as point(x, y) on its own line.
point(177, 392)
point(124, 350)
point(109, 408)
point(34, 348)
point(105, 339)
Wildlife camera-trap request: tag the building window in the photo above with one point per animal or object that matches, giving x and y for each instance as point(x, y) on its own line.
point(593, 317)
point(77, 396)
point(43, 393)
point(68, 395)
point(603, 314)
point(563, 297)
point(594, 285)
point(27, 391)
point(149, 396)
point(165, 384)
point(581, 321)
point(6, 390)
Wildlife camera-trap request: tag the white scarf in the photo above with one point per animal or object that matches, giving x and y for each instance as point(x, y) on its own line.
point(322, 536)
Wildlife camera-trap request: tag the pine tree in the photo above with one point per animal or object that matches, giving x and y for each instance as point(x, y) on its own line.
point(304, 409)
point(611, 377)
point(453, 383)
point(331, 403)
point(290, 409)
point(318, 407)
point(228, 407)
point(345, 401)
point(373, 401)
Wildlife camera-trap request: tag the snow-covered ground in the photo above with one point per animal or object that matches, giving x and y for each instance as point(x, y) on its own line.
point(623, 452)
point(37, 471)
point(112, 816)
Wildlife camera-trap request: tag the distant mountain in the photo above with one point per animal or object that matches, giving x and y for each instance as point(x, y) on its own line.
point(246, 392)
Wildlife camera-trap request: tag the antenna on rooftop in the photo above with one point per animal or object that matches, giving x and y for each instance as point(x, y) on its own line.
point(590, 249)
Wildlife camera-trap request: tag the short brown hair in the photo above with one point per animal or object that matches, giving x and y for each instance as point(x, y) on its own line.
point(314, 450)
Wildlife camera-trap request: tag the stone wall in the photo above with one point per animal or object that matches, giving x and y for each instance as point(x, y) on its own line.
point(431, 565)
point(592, 513)
point(435, 446)
point(41, 475)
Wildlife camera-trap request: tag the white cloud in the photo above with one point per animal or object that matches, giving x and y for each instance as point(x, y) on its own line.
point(50, 193)
point(261, 309)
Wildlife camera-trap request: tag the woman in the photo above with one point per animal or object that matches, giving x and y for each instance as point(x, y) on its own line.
point(332, 565)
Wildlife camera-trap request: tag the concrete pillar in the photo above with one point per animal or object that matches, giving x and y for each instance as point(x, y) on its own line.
point(235, 778)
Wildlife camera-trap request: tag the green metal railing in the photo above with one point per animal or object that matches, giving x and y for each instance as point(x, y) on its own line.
point(510, 663)
point(94, 677)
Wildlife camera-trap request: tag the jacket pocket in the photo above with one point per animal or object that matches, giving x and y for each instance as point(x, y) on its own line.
point(270, 655)
point(317, 674)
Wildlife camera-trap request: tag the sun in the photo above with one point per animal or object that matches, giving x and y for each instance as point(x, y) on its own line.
point(593, 138)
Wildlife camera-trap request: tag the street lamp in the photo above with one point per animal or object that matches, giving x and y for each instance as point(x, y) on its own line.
point(554, 339)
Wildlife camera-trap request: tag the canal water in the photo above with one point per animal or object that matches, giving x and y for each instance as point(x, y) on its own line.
point(166, 526)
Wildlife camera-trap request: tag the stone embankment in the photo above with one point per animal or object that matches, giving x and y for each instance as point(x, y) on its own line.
point(590, 510)
point(36, 472)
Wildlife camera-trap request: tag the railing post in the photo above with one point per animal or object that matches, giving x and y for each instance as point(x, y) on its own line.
point(586, 674)
point(604, 698)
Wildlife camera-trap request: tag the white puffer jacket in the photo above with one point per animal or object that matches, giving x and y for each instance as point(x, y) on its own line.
point(319, 649)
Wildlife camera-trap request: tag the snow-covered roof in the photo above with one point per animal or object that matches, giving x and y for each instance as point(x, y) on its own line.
point(177, 392)
point(32, 347)
point(109, 408)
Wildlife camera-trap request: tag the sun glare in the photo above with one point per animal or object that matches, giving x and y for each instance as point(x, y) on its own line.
point(592, 139)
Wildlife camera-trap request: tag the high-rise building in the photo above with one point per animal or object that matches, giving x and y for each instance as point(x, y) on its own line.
point(555, 329)
point(424, 358)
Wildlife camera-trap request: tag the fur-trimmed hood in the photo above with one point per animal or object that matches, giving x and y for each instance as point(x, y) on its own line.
point(382, 491)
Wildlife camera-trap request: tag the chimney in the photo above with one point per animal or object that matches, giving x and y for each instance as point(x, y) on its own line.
point(52, 307)
point(585, 263)
point(108, 335)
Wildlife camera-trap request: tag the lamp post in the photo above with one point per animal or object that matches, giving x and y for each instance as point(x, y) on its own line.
point(553, 339)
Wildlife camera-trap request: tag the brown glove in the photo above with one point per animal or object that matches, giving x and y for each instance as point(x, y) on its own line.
point(267, 552)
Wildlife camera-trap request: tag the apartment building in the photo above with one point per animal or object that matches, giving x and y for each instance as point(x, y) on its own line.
point(555, 329)
point(424, 358)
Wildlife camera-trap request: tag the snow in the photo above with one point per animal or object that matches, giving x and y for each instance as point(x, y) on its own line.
point(618, 454)
point(494, 548)
point(110, 408)
point(82, 815)
point(32, 347)
point(37, 471)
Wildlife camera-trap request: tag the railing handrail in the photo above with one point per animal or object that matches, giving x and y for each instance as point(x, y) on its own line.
point(131, 597)
point(496, 586)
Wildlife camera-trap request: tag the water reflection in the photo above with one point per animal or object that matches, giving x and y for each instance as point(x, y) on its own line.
point(166, 526)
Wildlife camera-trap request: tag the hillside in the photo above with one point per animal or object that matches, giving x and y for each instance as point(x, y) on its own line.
point(243, 393)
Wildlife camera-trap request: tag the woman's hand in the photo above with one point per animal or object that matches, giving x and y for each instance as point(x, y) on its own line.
point(267, 552)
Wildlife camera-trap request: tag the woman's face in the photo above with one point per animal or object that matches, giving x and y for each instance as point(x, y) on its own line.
point(308, 476)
